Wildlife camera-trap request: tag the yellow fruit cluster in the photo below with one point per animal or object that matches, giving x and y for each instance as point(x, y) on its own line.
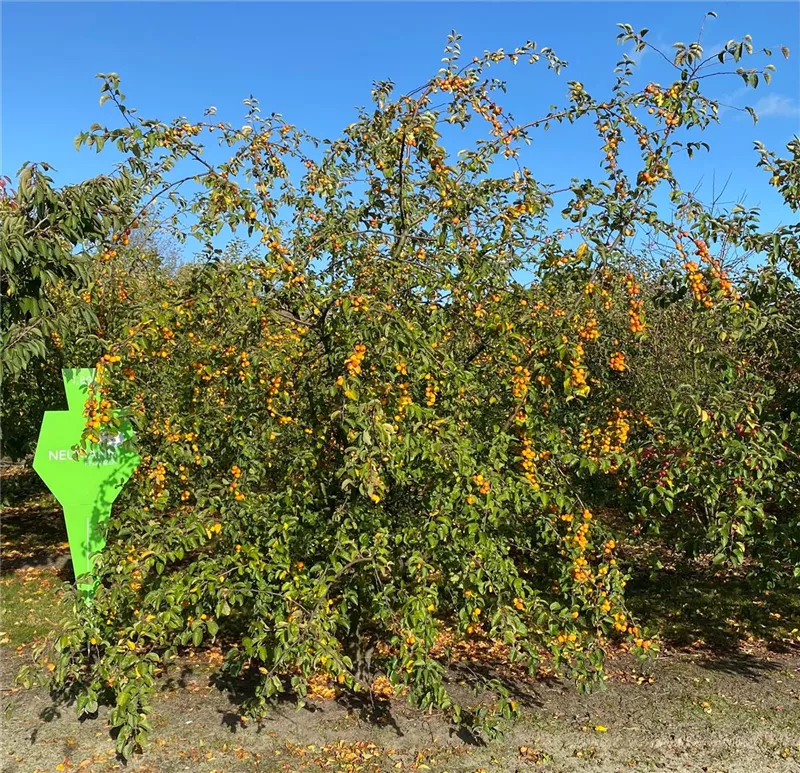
point(617, 362)
point(404, 401)
point(588, 330)
point(697, 283)
point(353, 362)
point(483, 485)
point(430, 390)
point(529, 458)
point(360, 304)
point(635, 306)
point(612, 438)
point(578, 373)
point(520, 382)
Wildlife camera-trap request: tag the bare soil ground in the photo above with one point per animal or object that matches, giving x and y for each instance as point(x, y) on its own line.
point(723, 696)
point(737, 716)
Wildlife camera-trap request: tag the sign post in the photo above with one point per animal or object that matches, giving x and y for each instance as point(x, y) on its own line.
point(85, 483)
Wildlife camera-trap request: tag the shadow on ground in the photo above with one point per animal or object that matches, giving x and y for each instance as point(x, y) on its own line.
point(33, 530)
point(722, 613)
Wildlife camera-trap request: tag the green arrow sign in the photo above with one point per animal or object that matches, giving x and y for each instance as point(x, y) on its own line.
point(86, 483)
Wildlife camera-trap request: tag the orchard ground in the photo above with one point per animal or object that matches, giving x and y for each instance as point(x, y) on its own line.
point(723, 695)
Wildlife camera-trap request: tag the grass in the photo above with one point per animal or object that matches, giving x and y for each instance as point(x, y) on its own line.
point(34, 544)
point(33, 605)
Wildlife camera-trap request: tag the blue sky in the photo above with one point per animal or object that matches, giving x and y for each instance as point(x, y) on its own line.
point(315, 62)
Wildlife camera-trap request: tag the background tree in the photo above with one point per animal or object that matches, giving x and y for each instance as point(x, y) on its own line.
point(49, 239)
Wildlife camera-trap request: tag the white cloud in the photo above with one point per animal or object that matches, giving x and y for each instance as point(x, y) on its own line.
point(637, 56)
point(732, 100)
point(712, 49)
point(778, 105)
point(767, 106)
